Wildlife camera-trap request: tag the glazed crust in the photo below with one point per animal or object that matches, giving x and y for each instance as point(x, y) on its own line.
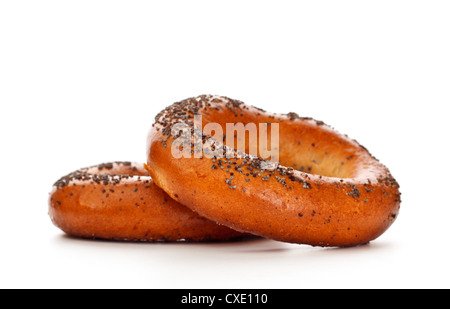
point(119, 201)
point(327, 190)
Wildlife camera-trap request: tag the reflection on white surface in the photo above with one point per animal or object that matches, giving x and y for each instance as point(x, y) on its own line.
point(253, 263)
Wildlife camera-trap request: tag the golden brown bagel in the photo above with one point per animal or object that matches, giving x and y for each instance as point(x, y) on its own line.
point(327, 189)
point(119, 201)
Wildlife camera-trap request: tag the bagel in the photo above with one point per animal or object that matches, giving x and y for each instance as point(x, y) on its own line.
point(325, 189)
point(119, 201)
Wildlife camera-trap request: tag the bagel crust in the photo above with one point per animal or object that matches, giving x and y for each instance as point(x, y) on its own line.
point(119, 201)
point(326, 189)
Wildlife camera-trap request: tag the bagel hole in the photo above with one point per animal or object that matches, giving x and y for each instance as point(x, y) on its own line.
point(304, 147)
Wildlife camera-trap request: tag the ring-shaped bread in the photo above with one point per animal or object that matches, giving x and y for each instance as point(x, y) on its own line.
point(325, 190)
point(119, 201)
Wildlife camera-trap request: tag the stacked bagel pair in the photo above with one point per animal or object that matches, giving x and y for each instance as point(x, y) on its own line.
point(324, 189)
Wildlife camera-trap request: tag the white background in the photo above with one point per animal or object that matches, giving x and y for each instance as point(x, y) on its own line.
point(81, 82)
